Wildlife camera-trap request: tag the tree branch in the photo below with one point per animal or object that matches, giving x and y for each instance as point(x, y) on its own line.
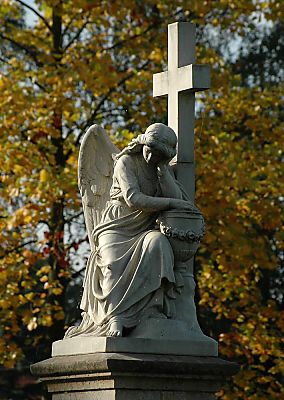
point(103, 99)
point(129, 38)
point(31, 53)
point(67, 220)
point(111, 90)
point(76, 36)
point(85, 239)
point(77, 273)
point(35, 12)
point(40, 150)
point(39, 85)
point(149, 28)
point(42, 221)
point(6, 252)
point(6, 61)
point(69, 23)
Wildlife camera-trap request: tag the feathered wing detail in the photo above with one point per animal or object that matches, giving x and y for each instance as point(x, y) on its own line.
point(95, 170)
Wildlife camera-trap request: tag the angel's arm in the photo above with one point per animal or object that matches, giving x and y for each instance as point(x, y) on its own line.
point(168, 184)
point(130, 189)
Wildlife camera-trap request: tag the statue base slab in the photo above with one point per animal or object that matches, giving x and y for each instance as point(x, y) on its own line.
point(125, 376)
point(199, 346)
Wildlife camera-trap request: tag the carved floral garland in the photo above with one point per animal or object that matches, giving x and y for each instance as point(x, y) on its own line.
point(187, 235)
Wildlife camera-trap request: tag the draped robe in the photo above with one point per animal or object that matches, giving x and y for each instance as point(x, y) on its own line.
point(130, 275)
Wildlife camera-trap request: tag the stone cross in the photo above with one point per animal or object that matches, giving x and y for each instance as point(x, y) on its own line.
point(180, 83)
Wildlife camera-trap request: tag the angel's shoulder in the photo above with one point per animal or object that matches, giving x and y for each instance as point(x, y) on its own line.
point(125, 161)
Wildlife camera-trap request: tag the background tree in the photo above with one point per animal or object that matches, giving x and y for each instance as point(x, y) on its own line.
point(240, 165)
point(92, 61)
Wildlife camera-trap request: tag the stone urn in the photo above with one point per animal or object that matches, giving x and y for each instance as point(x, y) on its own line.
point(184, 229)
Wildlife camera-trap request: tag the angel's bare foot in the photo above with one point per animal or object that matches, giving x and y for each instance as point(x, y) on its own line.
point(115, 329)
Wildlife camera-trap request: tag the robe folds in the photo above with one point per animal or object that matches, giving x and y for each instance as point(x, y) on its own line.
point(130, 275)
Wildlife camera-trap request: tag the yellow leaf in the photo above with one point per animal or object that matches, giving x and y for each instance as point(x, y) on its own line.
point(30, 296)
point(28, 219)
point(18, 168)
point(57, 291)
point(32, 324)
point(46, 320)
point(43, 175)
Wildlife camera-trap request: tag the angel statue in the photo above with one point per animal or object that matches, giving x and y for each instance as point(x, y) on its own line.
point(132, 274)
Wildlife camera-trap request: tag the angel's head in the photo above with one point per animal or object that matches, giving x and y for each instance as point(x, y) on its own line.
point(157, 144)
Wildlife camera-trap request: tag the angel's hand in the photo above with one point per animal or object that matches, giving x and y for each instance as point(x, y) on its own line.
point(163, 168)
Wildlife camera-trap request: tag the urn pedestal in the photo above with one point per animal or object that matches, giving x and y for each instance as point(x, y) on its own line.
point(185, 230)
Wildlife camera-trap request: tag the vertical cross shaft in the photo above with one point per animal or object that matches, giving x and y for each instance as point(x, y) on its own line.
point(180, 82)
point(181, 105)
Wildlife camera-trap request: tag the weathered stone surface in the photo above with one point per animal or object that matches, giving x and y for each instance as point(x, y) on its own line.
point(180, 82)
point(133, 376)
point(89, 344)
point(135, 270)
point(139, 276)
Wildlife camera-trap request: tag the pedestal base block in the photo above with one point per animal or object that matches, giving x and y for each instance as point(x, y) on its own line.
point(198, 345)
point(125, 376)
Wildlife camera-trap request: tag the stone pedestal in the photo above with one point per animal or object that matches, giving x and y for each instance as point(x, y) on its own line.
point(197, 345)
point(129, 376)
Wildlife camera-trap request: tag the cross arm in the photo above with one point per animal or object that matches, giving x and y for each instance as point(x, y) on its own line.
point(160, 84)
point(192, 77)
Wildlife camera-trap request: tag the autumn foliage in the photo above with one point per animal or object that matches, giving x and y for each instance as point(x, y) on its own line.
point(80, 62)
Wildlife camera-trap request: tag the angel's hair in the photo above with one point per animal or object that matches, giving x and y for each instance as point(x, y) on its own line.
point(157, 136)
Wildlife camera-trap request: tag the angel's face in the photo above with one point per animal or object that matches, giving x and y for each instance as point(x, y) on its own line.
point(152, 156)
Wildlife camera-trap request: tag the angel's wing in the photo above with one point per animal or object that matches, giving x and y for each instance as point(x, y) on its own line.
point(95, 170)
